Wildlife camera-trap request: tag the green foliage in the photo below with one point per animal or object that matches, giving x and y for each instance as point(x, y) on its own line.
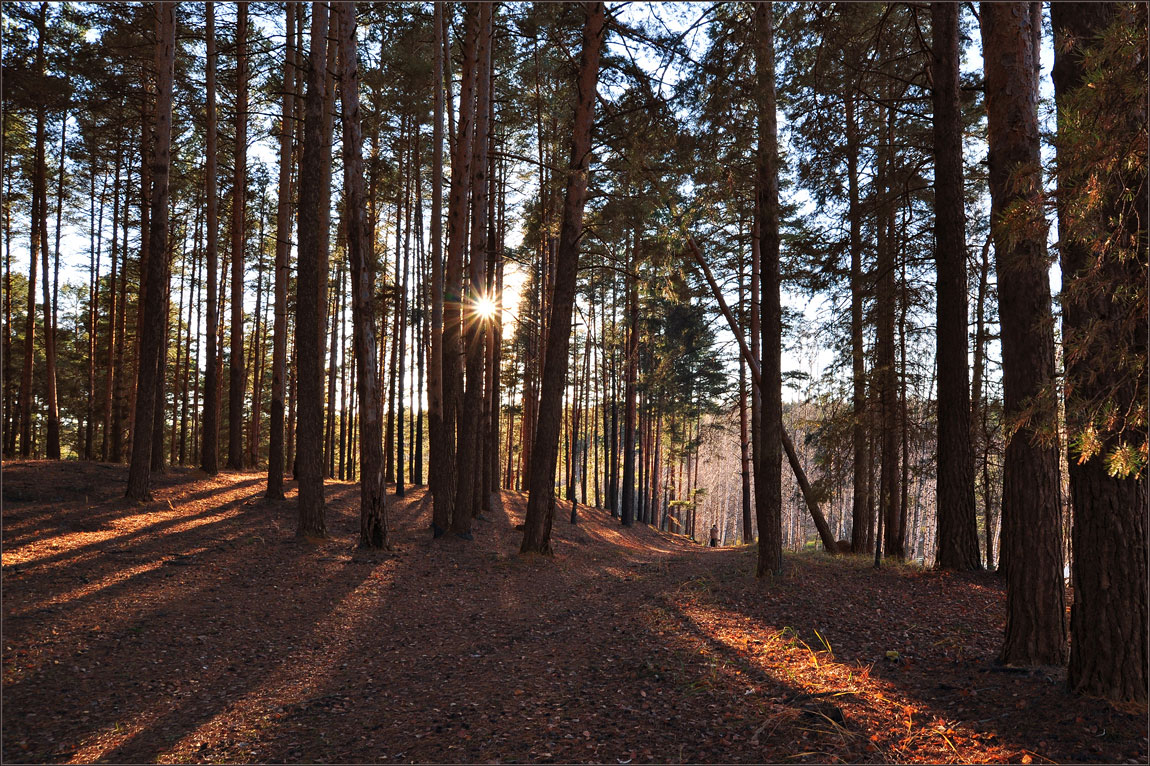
point(1103, 200)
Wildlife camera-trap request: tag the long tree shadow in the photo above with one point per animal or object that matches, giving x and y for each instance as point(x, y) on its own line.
point(81, 521)
point(926, 645)
point(129, 633)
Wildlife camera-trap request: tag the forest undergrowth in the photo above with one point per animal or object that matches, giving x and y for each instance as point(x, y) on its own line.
point(196, 628)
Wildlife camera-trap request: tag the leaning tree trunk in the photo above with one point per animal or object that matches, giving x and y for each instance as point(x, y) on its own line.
point(210, 438)
point(1108, 621)
point(768, 473)
point(1031, 509)
point(957, 520)
point(236, 374)
point(372, 493)
point(311, 298)
point(151, 333)
point(541, 503)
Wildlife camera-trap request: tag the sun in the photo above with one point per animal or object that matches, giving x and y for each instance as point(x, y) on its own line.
point(485, 308)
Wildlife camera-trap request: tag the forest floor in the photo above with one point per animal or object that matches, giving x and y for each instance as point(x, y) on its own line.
point(197, 629)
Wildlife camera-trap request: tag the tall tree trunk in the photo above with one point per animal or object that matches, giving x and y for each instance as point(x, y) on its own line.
point(373, 531)
point(440, 477)
point(402, 309)
point(541, 502)
point(162, 365)
point(311, 285)
point(957, 519)
point(10, 417)
point(627, 507)
point(210, 439)
point(113, 310)
point(980, 433)
point(256, 352)
point(744, 437)
point(421, 346)
point(494, 341)
point(860, 507)
point(885, 300)
point(35, 244)
point(1031, 514)
point(236, 372)
point(337, 302)
point(275, 489)
point(1108, 626)
point(468, 473)
point(453, 278)
point(51, 398)
point(769, 486)
point(172, 445)
point(121, 319)
point(139, 472)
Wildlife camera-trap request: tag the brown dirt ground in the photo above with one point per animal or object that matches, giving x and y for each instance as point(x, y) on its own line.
point(197, 629)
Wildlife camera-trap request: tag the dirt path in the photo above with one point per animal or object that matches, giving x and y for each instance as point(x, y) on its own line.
point(197, 629)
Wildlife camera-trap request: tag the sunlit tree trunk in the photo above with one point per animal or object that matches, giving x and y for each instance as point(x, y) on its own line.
point(210, 439)
point(311, 285)
point(139, 472)
point(768, 485)
point(282, 274)
point(541, 502)
point(236, 372)
point(1108, 620)
point(1031, 513)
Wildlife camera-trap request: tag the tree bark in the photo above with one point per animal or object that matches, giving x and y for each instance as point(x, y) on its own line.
point(453, 277)
point(236, 372)
point(468, 473)
point(311, 287)
point(541, 502)
point(139, 471)
point(113, 309)
point(627, 500)
point(957, 520)
point(282, 273)
point(210, 439)
point(51, 400)
point(373, 532)
point(885, 302)
point(1108, 620)
point(1031, 514)
point(440, 439)
point(35, 244)
point(768, 475)
point(860, 507)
